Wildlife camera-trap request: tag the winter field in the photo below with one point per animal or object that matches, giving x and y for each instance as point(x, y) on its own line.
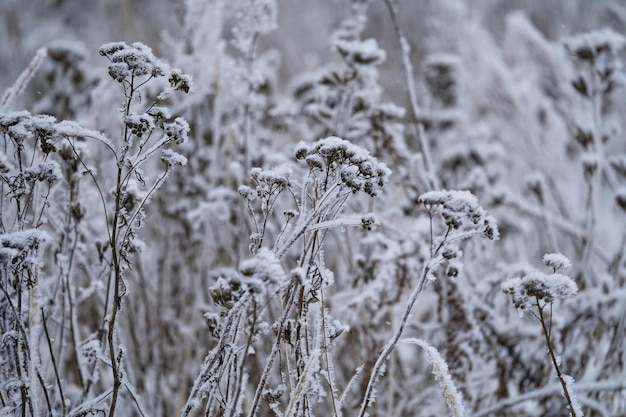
point(313, 208)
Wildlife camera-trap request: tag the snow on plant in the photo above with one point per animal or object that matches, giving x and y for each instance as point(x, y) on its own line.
point(283, 273)
point(440, 370)
point(346, 99)
point(334, 170)
point(49, 156)
point(463, 218)
point(533, 292)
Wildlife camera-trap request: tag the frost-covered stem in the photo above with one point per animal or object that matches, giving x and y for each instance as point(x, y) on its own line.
point(391, 344)
point(214, 356)
point(23, 79)
point(301, 227)
point(117, 265)
point(240, 377)
point(270, 360)
point(35, 324)
point(329, 364)
point(143, 202)
point(405, 48)
point(555, 362)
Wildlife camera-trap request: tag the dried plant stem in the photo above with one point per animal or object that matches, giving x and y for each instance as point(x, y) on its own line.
point(418, 129)
point(391, 344)
point(275, 347)
point(555, 362)
point(23, 79)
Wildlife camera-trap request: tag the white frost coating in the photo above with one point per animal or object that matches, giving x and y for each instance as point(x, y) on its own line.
point(591, 40)
point(556, 261)
point(72, 129)
point(440, 369)
point(264, 268)
point(24, 240)
point(49, 171)
point(171, 158)
point(569, 383)
point(360, 52)
point(461, 210)
point(274, 176)
point(23, 79)
point(537, 285)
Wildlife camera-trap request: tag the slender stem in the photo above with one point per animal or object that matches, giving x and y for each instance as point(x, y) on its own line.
point(391, 344)
point(405, 48)
point(555, 362)
point(117, 265)
point(54, 363)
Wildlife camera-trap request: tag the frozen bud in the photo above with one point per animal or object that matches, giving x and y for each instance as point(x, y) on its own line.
point(212, 321)
point(274, 178)
point(490, 229)
point(179, 81)
point(452, 271)
point(109, 49)
point(360, 52)
point(139, 124)
point(226, 291)
point(171, 158)
point(290, 214)
point(49, 171)
point(302, 150)
point(177, 130)
point(314, 161)
point(256, 239)
point(247, 193)
point(159, 112)
point(450, 252)
point(368, 221)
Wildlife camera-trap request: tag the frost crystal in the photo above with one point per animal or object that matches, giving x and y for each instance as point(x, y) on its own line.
point(569, 382)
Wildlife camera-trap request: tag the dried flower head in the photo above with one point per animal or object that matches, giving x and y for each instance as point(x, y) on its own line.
point(556, 261)
point(357, 169)
point(460, 210)
point(538, 286)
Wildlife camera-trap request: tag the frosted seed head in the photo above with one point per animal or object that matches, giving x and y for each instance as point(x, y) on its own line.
point(556, 261)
